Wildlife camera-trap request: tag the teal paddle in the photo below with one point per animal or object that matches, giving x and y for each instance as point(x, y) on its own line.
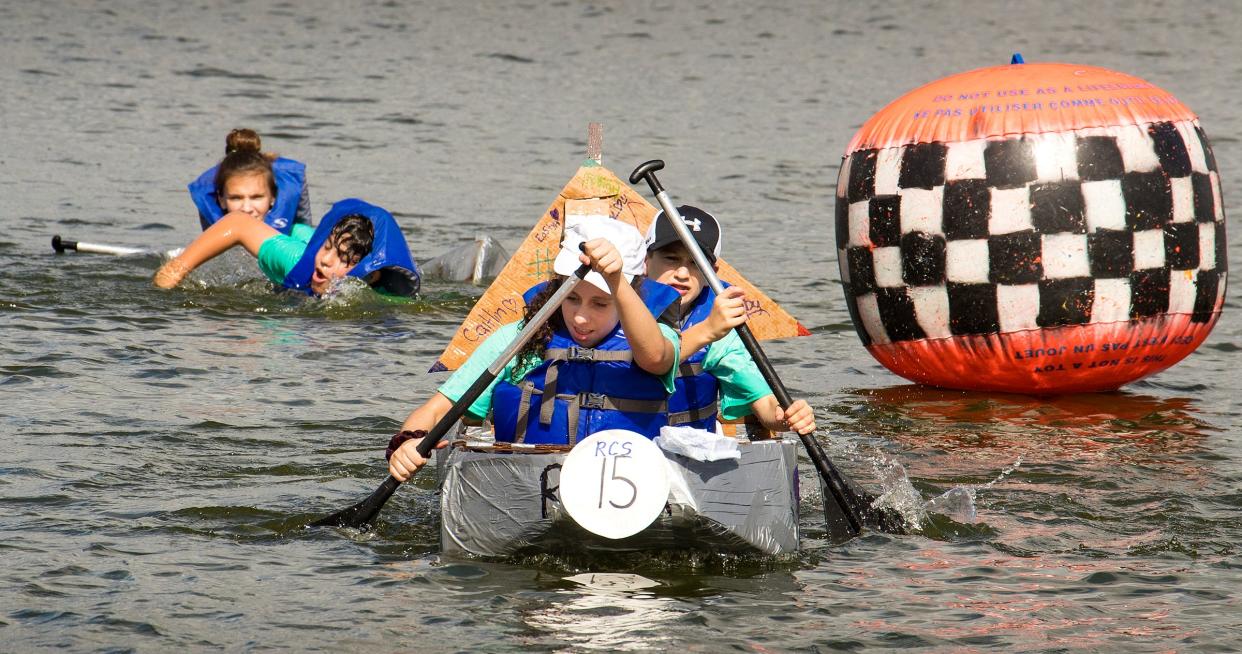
point(855, 506)
point(364, 512)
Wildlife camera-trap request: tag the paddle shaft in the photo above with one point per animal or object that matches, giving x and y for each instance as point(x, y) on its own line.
point(61, 245)
point(480, 385)
point(366, 510)
point(823, 464)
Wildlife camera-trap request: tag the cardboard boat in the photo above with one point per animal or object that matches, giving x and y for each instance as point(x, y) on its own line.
point(499, 501)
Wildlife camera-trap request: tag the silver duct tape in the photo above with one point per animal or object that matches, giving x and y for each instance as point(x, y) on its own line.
point(498, 504)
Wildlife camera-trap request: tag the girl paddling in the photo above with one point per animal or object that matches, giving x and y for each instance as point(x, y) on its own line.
point(602, 363)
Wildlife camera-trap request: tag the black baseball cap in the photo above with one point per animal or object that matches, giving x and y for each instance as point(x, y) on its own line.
point(702, 225)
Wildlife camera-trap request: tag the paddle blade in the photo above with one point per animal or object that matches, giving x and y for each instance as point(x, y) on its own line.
point(364, 512)
point(884, 519)
point(854, 502)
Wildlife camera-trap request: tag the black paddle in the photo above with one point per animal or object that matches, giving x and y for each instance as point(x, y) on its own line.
point(854, 504)
point(365, 511)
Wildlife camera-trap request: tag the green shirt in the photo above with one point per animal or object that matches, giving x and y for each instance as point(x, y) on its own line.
point(490, 349)
point(740, 380)
point(279, 253)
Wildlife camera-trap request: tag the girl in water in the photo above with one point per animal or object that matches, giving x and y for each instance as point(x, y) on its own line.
point(270, 188)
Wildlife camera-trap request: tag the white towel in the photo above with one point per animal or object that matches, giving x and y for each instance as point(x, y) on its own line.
point(697, 444)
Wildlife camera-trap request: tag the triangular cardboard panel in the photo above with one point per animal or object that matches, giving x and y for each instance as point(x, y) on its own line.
point(594, 190)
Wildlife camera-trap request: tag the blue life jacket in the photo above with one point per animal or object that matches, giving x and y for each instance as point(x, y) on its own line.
point(578, 391)
point(389, 253)
point(290, 179)
point(694, 403)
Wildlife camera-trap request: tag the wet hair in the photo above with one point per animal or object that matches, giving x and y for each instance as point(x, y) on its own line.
point(243, 157)
point(352, 238)
point(534, 348)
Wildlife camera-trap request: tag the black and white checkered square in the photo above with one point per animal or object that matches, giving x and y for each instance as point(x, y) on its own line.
point(993, 236)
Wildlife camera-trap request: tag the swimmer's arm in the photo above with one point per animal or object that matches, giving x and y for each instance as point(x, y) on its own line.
point(234, 229)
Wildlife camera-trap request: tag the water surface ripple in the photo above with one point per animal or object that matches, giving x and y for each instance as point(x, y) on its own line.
point(164, 450)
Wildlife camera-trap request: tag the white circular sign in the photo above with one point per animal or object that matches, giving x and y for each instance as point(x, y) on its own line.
point(614, 483)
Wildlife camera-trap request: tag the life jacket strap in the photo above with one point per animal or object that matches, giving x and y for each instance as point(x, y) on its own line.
point(586, 354)
point(576, 404)
point(601, 401)
point(690, 369)
point(693, 415)
point(549, 394)
point(557, 355)
point(528, 389)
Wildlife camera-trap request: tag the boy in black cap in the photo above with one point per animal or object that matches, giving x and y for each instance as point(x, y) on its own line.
point(717, 376)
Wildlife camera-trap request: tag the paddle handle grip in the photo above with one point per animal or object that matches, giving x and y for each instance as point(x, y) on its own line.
point(646, 170)
point(62, 245)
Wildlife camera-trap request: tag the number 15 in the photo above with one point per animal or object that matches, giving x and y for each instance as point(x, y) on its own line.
point(603, 470)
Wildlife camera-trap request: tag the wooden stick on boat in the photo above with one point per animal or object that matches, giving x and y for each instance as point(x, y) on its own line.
point(365, 511)
point(855, 505)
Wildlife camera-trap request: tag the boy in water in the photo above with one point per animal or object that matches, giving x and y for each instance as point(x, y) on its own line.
point(349, 240)
point(718, 375)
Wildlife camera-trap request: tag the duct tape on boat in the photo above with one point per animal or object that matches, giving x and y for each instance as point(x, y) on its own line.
point(614, 483)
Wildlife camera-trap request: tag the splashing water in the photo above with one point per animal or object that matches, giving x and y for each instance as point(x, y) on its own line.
point(957, 503)
point(900, 495)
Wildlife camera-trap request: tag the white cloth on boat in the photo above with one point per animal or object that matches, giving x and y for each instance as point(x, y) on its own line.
point(697, 444)
point(623, 236)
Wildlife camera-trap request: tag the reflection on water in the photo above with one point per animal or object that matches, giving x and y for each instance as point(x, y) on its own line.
point(608, 611)
point(973, 425)
point(1003, 603)
point(1109, 473)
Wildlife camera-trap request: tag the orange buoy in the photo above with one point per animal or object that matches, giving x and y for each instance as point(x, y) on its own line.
point(1032, 228)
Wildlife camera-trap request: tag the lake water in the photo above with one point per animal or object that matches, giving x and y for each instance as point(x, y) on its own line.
point(164, 450)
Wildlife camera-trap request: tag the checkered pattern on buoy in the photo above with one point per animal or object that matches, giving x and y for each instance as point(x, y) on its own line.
point(1041, 230)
